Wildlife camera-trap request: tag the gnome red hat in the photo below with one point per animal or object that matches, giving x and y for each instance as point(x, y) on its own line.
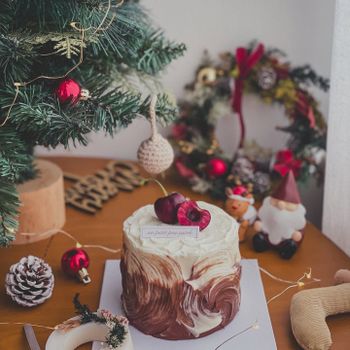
point(287, 190)
point(240, 193)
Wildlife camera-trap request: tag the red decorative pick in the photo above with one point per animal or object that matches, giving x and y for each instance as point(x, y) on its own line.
point(285, 162)
point(179, 131)
point(75, 262)
point(304, 107)
point(183, 170)
point(311, 117)
point(245, 62)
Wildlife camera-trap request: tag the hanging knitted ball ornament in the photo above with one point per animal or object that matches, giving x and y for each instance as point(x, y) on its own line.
point(30, 281)
point(69, 91)
point(155, 154)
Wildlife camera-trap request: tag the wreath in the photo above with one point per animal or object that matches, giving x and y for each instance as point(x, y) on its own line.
point(114, 334)
point(218, 89)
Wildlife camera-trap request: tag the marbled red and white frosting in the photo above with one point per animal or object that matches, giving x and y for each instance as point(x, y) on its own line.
point(181, 288)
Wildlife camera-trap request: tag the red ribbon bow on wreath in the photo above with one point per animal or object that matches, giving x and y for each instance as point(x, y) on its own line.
point(285, 162)
point(245, 62)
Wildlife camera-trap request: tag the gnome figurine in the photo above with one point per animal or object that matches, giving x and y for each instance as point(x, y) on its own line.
point(239, 204)
point(281, 220)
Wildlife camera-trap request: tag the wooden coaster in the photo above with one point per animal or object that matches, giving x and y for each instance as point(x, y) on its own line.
point(42, 203)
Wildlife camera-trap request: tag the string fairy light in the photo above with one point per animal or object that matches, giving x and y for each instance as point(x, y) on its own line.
point(54, 232)
point(82, 31)
point(99, 28)
point(254, 326)
point(25, 323)
point(292, 284)
point(300, 283)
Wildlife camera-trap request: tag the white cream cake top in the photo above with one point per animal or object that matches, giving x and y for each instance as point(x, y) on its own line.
point(219, 237)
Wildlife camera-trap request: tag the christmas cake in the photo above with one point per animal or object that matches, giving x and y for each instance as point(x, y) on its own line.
point(181, 288)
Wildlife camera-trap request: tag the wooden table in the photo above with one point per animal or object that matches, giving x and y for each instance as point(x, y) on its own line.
point(106, 228)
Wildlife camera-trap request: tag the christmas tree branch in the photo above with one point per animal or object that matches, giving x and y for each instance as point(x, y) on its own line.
point(156, 53)
point(38, 115)
point(6, 10)
point(129, 37)
point(16, 164)
point(16, 58)
point(9, 203)
point(16, 159)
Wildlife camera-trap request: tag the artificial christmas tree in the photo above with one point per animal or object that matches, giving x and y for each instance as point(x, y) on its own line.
point(68, 68)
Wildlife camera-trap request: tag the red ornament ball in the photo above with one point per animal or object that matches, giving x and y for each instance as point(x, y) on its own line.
point(216, 167)
point(68, 91)
point(75, 262)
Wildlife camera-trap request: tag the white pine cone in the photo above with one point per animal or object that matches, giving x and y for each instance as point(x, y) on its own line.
point(30, 282)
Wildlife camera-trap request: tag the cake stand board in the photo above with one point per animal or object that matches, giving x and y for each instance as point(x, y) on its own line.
point(253, 308)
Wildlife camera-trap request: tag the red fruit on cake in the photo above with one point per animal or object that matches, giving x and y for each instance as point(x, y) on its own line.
point(166, 207)
point(190, 214)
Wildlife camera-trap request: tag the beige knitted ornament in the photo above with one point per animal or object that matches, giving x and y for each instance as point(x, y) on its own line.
point(155, 154)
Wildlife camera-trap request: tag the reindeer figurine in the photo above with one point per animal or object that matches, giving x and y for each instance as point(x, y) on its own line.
point(239, 204)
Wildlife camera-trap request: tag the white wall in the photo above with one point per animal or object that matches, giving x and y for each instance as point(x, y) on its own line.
point(303, 29)
point(337, 189)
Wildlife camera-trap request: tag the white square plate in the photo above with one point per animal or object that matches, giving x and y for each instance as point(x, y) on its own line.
point(253, 307)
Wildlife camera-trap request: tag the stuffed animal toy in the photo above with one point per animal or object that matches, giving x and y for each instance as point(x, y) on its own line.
point(281, 220)
point(309, 309)
point(239, 204)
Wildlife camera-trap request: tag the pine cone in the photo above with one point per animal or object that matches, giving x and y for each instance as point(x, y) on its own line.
point(30, 282)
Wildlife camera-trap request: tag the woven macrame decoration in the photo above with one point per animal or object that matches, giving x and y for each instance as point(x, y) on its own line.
point(155, 154)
